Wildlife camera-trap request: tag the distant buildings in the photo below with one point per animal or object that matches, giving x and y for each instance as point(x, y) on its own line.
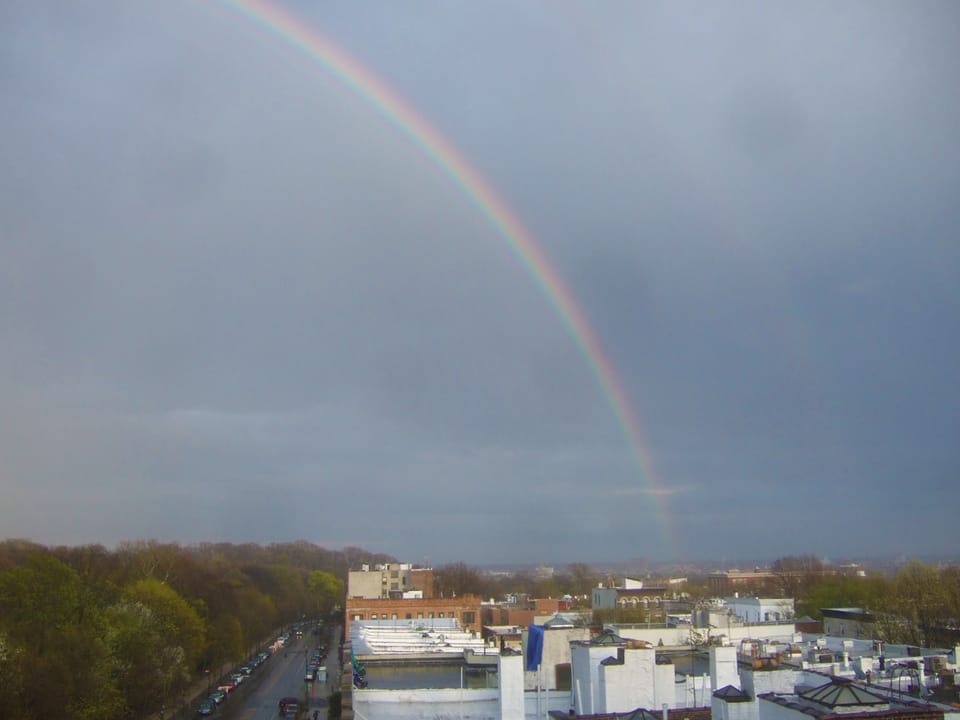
point(728, 582)
point(739, 658)
point(766, 582)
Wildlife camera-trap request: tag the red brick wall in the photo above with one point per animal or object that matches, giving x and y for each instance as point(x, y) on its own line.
point(458, 608)
point(546, 606)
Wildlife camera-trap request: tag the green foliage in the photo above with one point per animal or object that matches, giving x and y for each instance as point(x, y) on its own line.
point(173, 616)
point(88, 634)
point(620, 616)
point(327, 590)
point(868, 593)
point(11, 678)
point(918, 606)
point(55, 658)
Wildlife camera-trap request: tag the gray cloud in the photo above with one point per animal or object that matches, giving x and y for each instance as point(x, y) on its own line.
point(236, 303)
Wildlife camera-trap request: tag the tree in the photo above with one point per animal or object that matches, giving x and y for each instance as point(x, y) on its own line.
point(226, 641)
point(920, 598)
point(174, 616)
point(583, 579)
point(11, 680)
point(52, 625)
point(145, 665)
point(620, 615)
point(458, 579)
point(327, 590)
point(868, 593)
point(796, 574)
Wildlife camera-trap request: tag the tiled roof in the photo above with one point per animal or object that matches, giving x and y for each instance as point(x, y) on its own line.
point(731, 694)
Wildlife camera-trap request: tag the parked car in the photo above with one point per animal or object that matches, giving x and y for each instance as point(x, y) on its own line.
point(207, 707)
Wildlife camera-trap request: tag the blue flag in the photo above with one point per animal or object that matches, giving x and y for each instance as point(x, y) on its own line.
point(534, 647)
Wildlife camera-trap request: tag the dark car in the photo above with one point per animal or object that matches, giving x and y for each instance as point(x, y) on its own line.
point(207, 707)
point(287, 704)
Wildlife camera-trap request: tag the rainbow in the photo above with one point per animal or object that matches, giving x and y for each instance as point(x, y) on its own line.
point(399, 113)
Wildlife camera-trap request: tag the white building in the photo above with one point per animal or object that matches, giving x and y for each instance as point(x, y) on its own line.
point(761, 610)
point(508, 701)
point(555, 661)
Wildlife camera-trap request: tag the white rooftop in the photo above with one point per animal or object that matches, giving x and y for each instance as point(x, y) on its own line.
point(413, 637)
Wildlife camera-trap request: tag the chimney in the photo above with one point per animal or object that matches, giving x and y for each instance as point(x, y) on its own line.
point(510, 687)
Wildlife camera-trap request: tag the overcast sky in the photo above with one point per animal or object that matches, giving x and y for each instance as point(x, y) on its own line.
point(237, 304)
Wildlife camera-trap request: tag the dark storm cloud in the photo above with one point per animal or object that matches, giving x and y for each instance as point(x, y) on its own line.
point(232, 297)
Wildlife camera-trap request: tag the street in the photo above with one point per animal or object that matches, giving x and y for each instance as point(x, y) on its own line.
point(283, 676)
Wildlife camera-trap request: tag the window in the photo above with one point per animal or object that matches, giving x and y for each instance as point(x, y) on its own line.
point(441, 614)
point(358, 617)
point(419, 616)
point(393, 617)
point(409, 616)
point(430, 615)
point(373, 616)
point(469, 618)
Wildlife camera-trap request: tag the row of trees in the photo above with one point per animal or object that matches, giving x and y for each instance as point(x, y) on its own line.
point(919, 605)
point(576, 580)
point(87, 632)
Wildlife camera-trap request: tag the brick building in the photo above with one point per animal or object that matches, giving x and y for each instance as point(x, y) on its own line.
point(523, 612)
point(465, 610)
point(728, 582)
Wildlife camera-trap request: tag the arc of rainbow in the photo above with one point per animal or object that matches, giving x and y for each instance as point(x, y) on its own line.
point(399, 113)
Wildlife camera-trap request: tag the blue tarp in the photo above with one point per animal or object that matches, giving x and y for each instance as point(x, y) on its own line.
point(534, 647)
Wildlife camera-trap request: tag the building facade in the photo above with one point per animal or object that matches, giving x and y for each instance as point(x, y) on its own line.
point(465, 610)
point(390, 580)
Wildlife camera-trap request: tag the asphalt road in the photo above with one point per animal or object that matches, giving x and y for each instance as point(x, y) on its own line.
point(283, 676)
